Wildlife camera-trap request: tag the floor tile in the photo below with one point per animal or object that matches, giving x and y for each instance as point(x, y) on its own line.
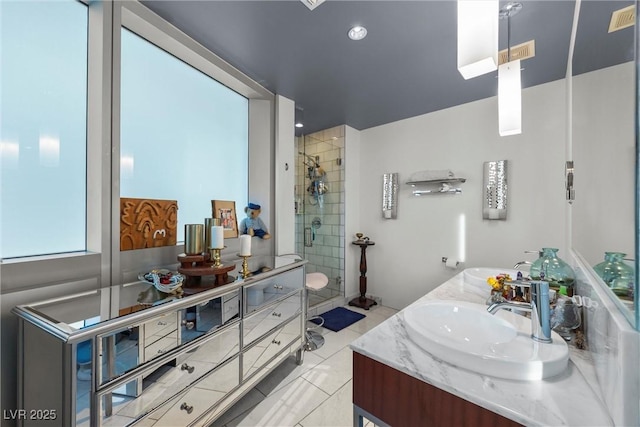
point(379, 310)
point(371, 320)
point(287, 372)
point(147, 422)
point(337, 411)
point(248, 401)
point(318, 393)
point(331, 374)
point(285, 407)
point(336, 341)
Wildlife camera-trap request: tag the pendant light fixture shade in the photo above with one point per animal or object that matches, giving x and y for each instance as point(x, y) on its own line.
point(509, 99)
point(477, 37)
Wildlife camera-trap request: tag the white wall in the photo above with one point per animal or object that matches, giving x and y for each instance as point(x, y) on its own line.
point(353, 149)
point(406, 262)
point(284, 170)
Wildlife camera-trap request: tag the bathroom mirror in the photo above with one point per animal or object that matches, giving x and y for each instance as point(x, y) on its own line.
point(603, 135)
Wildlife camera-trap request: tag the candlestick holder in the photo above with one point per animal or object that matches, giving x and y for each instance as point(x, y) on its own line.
point(215, 256)
point(245, 266)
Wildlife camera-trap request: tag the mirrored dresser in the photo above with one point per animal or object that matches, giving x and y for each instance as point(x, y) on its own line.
point(130, 354)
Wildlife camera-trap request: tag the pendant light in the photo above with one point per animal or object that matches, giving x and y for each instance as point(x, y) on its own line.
point(509, 83)
point(477, 37)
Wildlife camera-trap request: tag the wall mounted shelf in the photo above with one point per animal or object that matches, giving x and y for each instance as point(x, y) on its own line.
point(437, 181)
point(437, 186)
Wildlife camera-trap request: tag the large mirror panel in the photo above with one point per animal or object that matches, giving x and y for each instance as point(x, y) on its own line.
point(603, 145)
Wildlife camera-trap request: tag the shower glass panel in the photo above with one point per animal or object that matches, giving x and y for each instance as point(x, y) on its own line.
point(319, 208)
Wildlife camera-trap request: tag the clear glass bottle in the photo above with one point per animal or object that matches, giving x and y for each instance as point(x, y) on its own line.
point(615, 273)
point(558, 273)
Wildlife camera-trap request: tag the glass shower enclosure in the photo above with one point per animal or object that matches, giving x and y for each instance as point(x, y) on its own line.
point(319, 206)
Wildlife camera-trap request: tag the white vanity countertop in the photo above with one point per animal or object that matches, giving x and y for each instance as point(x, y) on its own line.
point(572, 398)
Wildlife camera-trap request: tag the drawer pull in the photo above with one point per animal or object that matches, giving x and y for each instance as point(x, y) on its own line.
point(187, 368)
point(161, 351)
point(275, 342)
point(278, 287)
point(276, 314)
point(162, 323)
point(185, 407)
point(187, 324)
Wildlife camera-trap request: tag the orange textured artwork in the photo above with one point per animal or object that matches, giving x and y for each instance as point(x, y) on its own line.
point(147, 223)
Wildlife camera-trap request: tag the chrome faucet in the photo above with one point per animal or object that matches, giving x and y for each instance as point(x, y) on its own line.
point(539, 308)
point(520, 263)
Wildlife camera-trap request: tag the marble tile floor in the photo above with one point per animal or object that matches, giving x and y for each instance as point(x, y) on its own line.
point(317, 393)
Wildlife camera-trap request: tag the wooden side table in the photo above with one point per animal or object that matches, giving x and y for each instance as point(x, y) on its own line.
point(362, 301)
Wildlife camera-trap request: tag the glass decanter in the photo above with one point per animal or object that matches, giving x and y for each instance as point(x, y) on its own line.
point(553, 269)
point(615, 273)
point(565, 317)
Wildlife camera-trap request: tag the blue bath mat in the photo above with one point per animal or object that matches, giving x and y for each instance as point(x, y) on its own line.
point(339, 318)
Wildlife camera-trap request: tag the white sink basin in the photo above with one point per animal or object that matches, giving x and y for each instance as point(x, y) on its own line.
point(478, 276)
point(466, 335)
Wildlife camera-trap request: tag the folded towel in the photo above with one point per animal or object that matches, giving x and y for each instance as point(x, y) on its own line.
point(432, 175)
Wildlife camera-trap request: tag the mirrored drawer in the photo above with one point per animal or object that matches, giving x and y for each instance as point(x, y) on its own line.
point(160, 326)
point(224, 345)
point(263, 321)
point(262, 293)
point(178, 375)
point(202, 397)
point(259, 355)
point(158, 345)
point(209, 315)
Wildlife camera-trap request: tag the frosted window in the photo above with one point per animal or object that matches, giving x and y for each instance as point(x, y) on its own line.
point(184, 136)
point(43, 109)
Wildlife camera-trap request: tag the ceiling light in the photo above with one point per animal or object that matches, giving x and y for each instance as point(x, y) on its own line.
point(509, 99)
point(357, 33)
point(509, 84)
point(299, 117)
point(477, 37)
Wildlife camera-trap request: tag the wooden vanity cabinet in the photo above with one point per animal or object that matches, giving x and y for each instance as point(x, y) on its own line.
point(387, 396)
point(178, 361)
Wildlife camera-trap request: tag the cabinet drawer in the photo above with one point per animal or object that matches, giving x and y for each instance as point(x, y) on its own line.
point(263, 321)
point(189, 407)
point(160, 326)
point(230, 308)
point(257, 356)
point(259, 294)
point(190, 367)
point(222, 346)
point(160, 345)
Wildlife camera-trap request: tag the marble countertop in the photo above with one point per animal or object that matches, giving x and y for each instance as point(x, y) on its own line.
point(572, 398)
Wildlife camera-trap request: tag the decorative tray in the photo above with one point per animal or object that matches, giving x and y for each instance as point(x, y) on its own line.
point(164, 280)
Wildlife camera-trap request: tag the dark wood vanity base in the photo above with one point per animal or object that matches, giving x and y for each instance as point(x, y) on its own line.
point(398, 399)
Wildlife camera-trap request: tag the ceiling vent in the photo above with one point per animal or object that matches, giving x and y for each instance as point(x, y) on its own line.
point(622, 18)
point(522, 51)
point(312, 4)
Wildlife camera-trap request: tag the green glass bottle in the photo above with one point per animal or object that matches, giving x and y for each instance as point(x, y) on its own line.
point(558, 273)
point(615, 273)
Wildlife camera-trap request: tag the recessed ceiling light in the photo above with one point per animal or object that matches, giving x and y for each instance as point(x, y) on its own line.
point(357, 33)
point(299, 125)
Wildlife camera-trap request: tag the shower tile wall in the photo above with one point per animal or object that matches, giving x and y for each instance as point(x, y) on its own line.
point(326, 253)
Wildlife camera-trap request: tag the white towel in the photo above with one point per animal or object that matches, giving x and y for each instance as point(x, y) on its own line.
point(432, 175)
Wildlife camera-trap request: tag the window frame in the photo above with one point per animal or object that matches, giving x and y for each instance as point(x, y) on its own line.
point(102, 264)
